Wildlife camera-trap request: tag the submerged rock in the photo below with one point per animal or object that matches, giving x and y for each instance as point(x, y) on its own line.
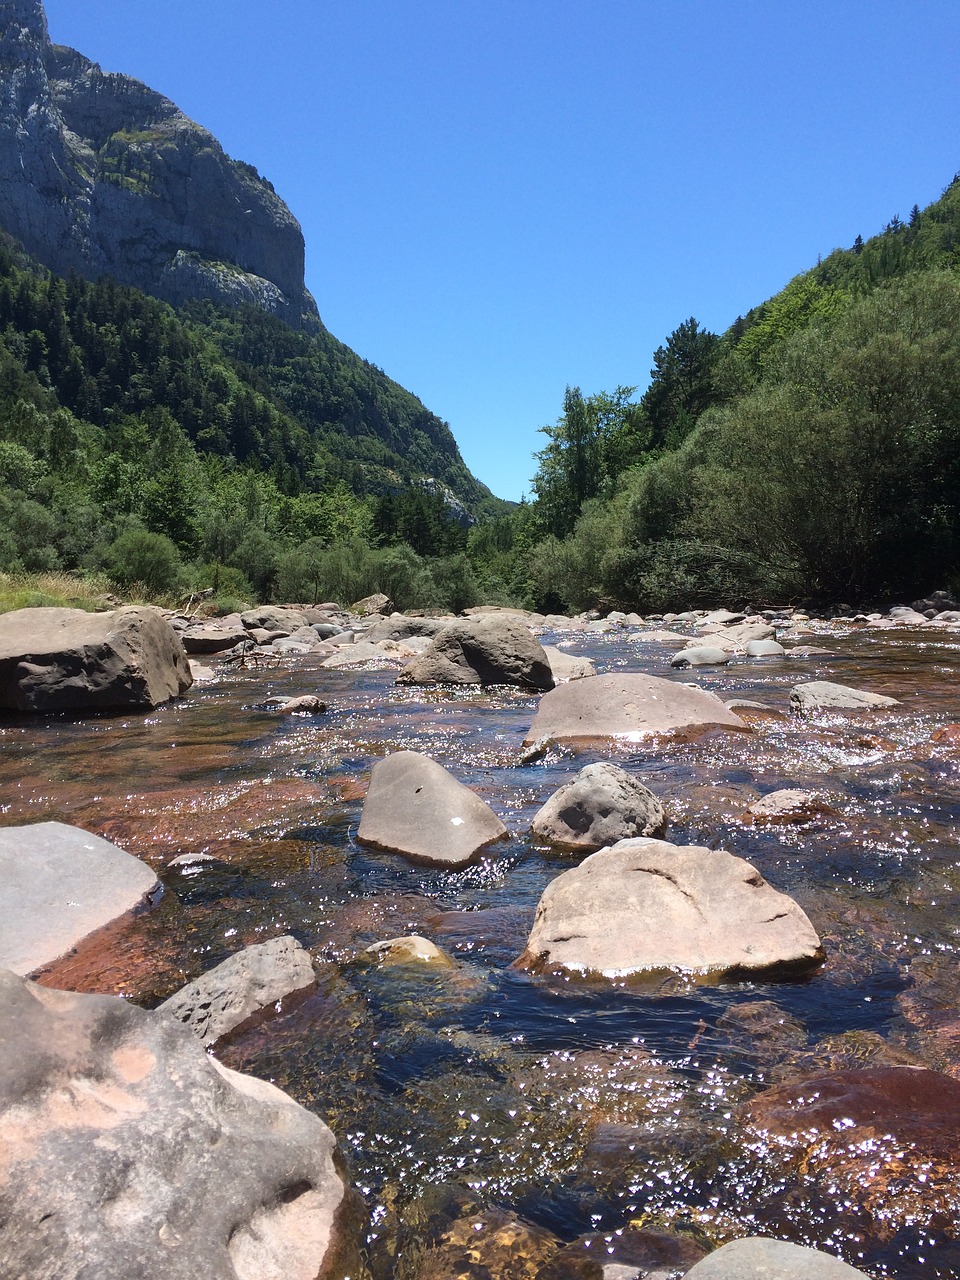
point(410, 950)
point(227, 996)
point(644, 906)
point(70, 660)
point(129, 1152)
point(416, 808)
point(602, 805)
point(627, 704)
point(58, 884)
point(489, 649)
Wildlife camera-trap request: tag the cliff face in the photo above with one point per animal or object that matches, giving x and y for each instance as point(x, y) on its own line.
point(103, 176)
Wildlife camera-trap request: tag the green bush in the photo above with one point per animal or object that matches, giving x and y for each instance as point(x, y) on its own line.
point(139, 556)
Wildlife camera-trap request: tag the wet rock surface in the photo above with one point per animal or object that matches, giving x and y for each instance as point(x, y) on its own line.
point(759, 1259)
point(488, 650)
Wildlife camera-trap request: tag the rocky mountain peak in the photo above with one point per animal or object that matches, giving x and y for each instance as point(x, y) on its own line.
point(102, 175)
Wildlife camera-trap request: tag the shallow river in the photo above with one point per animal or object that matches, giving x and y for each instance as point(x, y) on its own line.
point(579, 1108)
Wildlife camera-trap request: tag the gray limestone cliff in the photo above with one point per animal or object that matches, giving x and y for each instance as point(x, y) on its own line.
point(103, 176)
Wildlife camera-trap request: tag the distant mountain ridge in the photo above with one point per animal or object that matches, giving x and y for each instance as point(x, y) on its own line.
point(103, 176)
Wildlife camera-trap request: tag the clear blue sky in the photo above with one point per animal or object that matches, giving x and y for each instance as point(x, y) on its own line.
point(501, 197)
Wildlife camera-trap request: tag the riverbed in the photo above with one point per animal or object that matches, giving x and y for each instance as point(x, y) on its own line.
point(580, 1107)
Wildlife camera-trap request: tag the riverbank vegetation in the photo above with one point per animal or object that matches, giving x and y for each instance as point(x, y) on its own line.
point(810, 451)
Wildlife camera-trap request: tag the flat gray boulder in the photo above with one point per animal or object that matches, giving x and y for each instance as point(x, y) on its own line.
point(627, 704)
point(496, 648)
point(737, 637)
point(401, 627)
point(273, 618)
point(129, 1152)
point(57, 885)
point(701, 655)
point(69, 660)
point(603, 804)
point(362, 653)
point(822, 694)
point(764, 649)
point(757, 1258)
point(245, 984)
point(644, 906)
point(416, 808)
point(567, 666)
point(212, 639)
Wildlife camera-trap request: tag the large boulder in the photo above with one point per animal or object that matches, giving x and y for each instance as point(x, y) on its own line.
point(129, 1152)
point(824, 695)
point(416, 808)
point(734, 638)
point(211, 638)
point(401, 627)
point(70, 660)
point(489, 649)
point(757, 1258)
point(567, 666)
point(627, 704)
point(270, 617)
point(244, 985)
point(57, 885)
point(645, 906)
point(603, 804)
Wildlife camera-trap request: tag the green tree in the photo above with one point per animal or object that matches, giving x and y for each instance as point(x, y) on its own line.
point(682, 383)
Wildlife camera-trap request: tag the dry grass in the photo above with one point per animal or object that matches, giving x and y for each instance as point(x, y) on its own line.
point(33, 590)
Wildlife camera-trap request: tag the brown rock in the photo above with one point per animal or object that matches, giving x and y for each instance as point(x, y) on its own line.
point(602, 805)
point(491, 649)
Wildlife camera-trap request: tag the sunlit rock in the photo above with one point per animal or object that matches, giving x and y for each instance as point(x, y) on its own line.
point(756, 1258)
point(627, 705)
point(823, 694)
point(129, 1152)
point(701, 655)
point(70, 660)
point(602, 805)
point(491, 649)
point(57, 885)
point(644, 906)
point(244, 985)
point(409, 950)
point(416, 808)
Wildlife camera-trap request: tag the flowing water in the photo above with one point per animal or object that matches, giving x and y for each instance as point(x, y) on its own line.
point(580, 1107)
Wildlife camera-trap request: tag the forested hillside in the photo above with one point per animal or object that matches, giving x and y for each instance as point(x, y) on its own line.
point(188, 450)
point(810, 451)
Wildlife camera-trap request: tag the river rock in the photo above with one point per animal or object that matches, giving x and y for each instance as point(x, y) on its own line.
point(787, 805)
point(567, 666)
point(129, 1152)
point(399, 627)
point(360, 653)
point(409, 950)
point(489, 649)
point(70, 660)
point(764, 649)
point(57, 885)
point(414, 807)
point(757, 1258)
point(603, 804)
point(700, 655)
point(822, 694)
point(378, 603)
point(624, 1254)
point(225, 997)
point(211, 638)
point(713, 620)
point(735, 638)
point(645, 905)
point(628, 705)
point(307, 704)
point(271, 617)
point(881, 1143)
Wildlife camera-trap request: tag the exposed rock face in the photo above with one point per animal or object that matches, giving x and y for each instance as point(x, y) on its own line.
point(57, 885)
point(129, 1152)
point(757, 1258)
point(701, 655)
point(629, 705)
point(69, 660)
point(225, 997)
point(489, 649)
point(416, 808)
point(646, 906)
point(103, 176)
point(603, 804)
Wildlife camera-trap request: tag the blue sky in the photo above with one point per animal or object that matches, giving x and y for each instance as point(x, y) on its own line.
point(503, 197)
